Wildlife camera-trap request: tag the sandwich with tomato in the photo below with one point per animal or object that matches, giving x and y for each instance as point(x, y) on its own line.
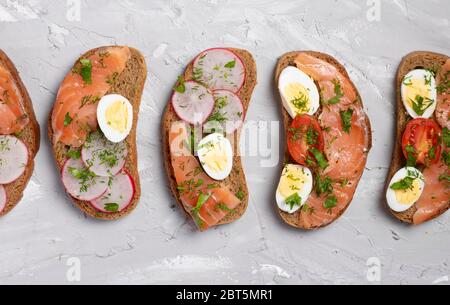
point(417, 188)
point(328, 139)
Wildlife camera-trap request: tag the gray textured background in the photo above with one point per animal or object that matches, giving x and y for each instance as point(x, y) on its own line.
point(156, 244)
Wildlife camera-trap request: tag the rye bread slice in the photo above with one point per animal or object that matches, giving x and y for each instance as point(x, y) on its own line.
point(130, 84)
point(295, 220)
point(419, 59)
point(236, 182)
point(30, 136)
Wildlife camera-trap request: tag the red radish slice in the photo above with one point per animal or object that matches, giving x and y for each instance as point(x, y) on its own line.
point(81, 183)
point(228, 111)
point(220, 69)
point(13, 159)
point(195, 104)
point(118, 196)
point(103, 157)
point(3, 198)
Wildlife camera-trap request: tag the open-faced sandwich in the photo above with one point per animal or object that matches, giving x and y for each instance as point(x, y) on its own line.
point(19, 136)
point(92, 128)
point(328, 139)
point(418, 185)
point(201, 131)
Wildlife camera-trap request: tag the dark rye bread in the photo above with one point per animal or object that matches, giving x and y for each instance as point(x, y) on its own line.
point(130, 84)
point(30, 136)
point(295, 220)
point(419, 59)
point(236, 181)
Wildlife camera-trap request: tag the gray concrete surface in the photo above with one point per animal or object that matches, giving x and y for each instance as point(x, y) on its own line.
point(156, 244)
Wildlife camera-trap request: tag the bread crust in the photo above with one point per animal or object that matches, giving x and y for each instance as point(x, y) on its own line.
point(417, 59)
point(130, 83)
point(295, 220)
point(30, 136)
point(236, 181)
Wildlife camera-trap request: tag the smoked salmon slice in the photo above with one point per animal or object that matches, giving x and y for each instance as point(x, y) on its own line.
point(443, 101)
point(345, 149)
point(12, 111)
point(436, 194)
point(74, 114)
point(202, 197)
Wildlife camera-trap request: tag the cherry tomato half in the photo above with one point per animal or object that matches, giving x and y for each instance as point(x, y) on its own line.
point(421, 140)
point(303, 135)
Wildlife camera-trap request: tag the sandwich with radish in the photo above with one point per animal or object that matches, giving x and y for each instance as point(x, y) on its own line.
point(19, 136)
point(92, 128)
point(201, 128)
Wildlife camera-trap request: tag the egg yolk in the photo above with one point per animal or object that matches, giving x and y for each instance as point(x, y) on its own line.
point(292, 181)
point(298, 96)
point(216, 157)
point(116, 116)
point(417, 87)
point(410, 195)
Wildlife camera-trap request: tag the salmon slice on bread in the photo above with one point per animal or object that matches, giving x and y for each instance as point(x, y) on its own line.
point(432, 163)
point(328, 139)
point(98, 164)
point(19, 136)
point(208, 201)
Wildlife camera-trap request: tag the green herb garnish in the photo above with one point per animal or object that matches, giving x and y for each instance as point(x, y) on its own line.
point(301, 103)
point(231, 64)
point(84, 175)
point(67, 120)
point(311, 136)
point(180, 87)
point(444, 177)
point(407, 182)
point(339, 93)
point(222, 206)
point(295, 133)
point(294, 200)
point(74, 154)
point(320, 158)
point(240, 194)
point(86, 70)
point(346, 119)
point(111, 207)
point(330, 203)
point(446, 158)
point(411, 156)
point(403, 184)
point(324, 185)
point(108, 157)
point(421, 104)
point(202, 199)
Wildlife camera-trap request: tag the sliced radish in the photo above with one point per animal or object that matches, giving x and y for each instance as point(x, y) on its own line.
point(220, 69)
point(118, 196)
point(194, 104)
point(81, 183)
point(3, 198)
point(13, 159)
point(103, 157)
point(228, 112)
